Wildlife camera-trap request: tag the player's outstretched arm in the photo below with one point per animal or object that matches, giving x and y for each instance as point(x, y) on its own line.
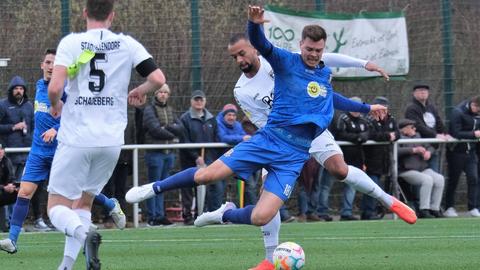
point(370, 66)
point(345, 104)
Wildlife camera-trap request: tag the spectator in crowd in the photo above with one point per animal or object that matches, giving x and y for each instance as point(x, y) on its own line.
point(413, 168)
point(16, 121)
point(8, 187)
point(200, 126)
point(16, 129)
point(429, 124)
point(229, 129)
point(352, 127)
point(464, 124)
point(377, 157)
point(161, 127)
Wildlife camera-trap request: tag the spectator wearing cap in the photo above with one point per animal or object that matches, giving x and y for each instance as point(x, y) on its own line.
point(229, 129)
point(413, 168)
point(429, 124)
point(377, 157)
point(161, 126)
point(8, 187)
point(199, 126)
point(462, 157)
point(16, 122)
point(351, 127)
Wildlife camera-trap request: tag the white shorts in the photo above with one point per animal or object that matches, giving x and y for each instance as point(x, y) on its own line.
point(81, 169)
point(324, 146)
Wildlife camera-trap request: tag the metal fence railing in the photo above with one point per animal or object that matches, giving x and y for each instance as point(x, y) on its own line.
point(136, 147)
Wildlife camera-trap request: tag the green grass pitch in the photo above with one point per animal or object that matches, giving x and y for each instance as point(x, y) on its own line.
point(387, 244)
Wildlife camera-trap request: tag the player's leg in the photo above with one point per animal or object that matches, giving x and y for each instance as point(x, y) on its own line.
point(7, 198)
point(20, 209)
point(327, 152)
point(36, 171)
point(73, 246)
point(102, 164)
point(71, 172)
point(243, 159)
point(186, 178)
point(112, 206)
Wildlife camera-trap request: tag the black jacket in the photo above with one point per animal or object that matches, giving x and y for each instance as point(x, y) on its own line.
point(12, 113)
point(417, 112)
point(407, 160)
point(7, 174)
point(160, 124)
point(196, 130)
point(355, 130)
point(377, 157)
point(463, 123)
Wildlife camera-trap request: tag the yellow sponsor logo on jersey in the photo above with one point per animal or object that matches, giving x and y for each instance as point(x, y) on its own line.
point(314, 89)
point(40, 107)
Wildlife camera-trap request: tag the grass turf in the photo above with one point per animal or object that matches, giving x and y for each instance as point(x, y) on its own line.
point(387, 244)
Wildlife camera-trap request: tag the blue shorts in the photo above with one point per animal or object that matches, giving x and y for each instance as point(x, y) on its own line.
point(37, 168)
point(282, 160)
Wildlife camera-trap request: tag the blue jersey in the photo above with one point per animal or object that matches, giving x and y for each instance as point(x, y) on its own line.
point(302, 95)
point(43, 120)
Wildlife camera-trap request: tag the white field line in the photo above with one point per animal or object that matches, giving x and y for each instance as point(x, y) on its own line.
point(344, 238)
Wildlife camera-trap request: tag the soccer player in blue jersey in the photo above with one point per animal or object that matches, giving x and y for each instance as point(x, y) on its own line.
point(40, 160)
point(302, 109)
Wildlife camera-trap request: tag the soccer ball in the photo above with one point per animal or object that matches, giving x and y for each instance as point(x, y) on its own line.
point(288, 256)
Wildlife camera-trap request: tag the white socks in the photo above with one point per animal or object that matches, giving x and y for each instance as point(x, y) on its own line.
point(270, 236)
point(68, 222)
point(72, 246)
point(360, 181)
point(75, 224)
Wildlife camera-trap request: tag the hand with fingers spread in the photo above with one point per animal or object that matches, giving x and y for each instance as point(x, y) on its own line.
point(255, 14)
point(370, 66)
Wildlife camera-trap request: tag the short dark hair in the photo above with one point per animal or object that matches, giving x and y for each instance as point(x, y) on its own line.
point(50, 51)
point(314, 32)
point(476, 100)
point(237, 37)
point(99, 9)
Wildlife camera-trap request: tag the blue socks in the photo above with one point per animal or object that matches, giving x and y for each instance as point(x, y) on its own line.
point(105, 201)
point(181, 179)
point(239, 216)
point(20, 211)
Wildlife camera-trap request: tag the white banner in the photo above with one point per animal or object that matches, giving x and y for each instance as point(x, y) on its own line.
point(377, 37)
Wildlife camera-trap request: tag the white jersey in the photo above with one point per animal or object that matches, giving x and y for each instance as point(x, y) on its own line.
point(95, 113)
point(255, 95)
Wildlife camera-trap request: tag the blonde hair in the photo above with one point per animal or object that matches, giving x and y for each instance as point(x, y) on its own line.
point(164, 88)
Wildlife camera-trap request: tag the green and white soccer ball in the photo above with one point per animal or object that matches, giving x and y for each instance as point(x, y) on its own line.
point(288, 256)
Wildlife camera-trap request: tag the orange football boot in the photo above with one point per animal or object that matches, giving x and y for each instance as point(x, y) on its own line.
point(403, 211)
point(264, 265)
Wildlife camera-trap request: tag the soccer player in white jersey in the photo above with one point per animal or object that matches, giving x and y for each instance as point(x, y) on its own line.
point(254, 93)
point(98, 65)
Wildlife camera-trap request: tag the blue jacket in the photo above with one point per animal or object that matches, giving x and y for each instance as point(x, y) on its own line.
point(231, 134)
point(11, 113)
